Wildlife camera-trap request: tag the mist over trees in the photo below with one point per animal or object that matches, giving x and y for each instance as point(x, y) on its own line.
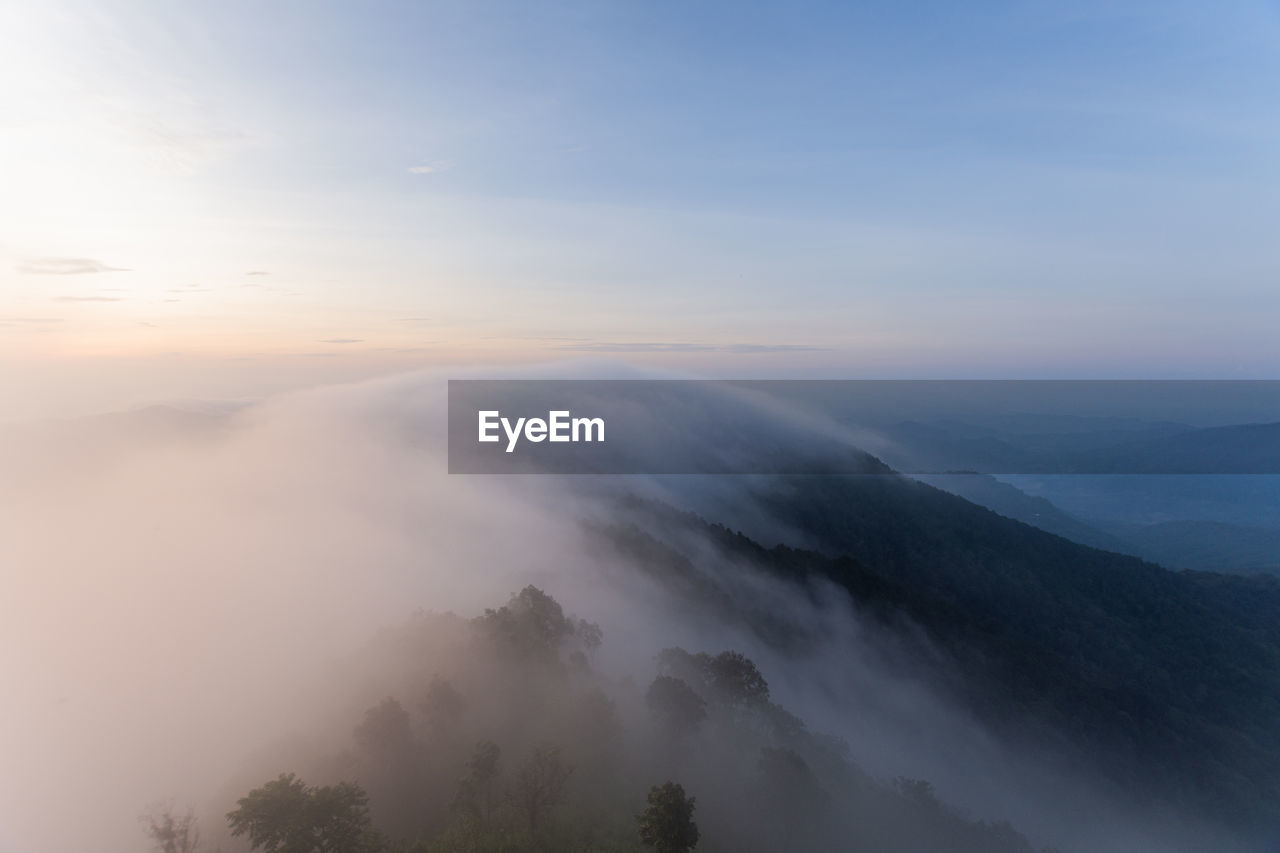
point(171, 832)
point(1165, 685)
point(502, 736)
point(667, 823)
point(943, 642)
point(287, 816)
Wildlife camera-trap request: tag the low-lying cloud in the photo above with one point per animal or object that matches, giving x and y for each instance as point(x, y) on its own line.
point(181, 589)
point(658, 346)
point(65, 266)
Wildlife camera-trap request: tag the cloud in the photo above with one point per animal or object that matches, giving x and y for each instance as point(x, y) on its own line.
point(65, 266)
point(752, 348)
point(258, 272)
point(640, 346)
point(431, 168)
point(555, 338)
point(342, 341)
point(651, 346)
point(252, 534)
point(27, 322)
point(88, 299)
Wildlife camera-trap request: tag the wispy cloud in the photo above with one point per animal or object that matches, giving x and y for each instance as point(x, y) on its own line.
point(341, 341)
point(258, 272)
point(560, 338)
point(431, 168)
point(751, 348)
point(29, 324)
point(65, 266)
point(652, 346)
point(88, 299)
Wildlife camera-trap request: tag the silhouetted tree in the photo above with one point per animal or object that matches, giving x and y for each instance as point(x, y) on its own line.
point(475, 794)
point(598, 733)
point(788, 796)
point(786, 725)
point(590, 635)
point(730, 678)
point(918, 791)
point(394, 769)
point(385, 729)
point(170, 833)
point(737, 679)
point(667, 824)
point(443, 706)
point(540, 784)
point(531, 624)
point(675, 706)
point(286, 816)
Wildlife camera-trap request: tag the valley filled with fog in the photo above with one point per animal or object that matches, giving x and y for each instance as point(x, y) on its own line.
point(199, 600)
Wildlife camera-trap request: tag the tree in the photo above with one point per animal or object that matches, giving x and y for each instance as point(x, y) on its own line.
point(393, 768)
point(475, 794)
point(286, 816)
point(590, 635)
point(540, 784)
point(730, 678)
point(598, 735)
point(667, 824)
point(787, 795)
point(385, 730)
point(170, 833)
point(443, 706)
point(531, 625)
point(737, 679)
point(917, 791)
point(675, 706)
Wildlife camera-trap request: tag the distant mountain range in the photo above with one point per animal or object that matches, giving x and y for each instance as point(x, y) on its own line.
point(1150, 449)
point(1177, 544)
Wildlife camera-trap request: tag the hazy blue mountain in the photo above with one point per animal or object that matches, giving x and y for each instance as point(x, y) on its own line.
point(1204, 545)
point(1182, 544)
point(1018, 444)
point(1005, 499)
point(1135, 499)
point(1158, 448)
point(1118, 658)
point(1242, 449)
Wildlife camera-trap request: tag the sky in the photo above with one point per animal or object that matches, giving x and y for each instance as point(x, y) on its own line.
point(222, 200)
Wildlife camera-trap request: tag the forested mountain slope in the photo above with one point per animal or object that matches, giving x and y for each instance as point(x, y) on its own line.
point(1168, 681)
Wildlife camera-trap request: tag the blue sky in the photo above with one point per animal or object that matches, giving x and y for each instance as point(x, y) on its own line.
point(779, 109)
point(733, 188)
